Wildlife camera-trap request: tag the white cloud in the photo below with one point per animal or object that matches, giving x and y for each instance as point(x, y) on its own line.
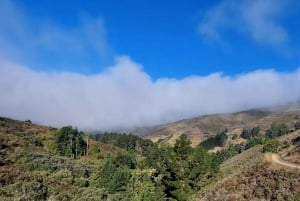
point(125, 96)
point(42, 43)
point(255, 18)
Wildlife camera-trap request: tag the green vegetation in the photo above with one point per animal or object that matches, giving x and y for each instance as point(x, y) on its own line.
point(39, 163)
point(277, 130)
point(235, 136)
point(129, 142)
point(250, 133)
point(69, 142)
point(181, 170)
point(225, 154)
point(271, 146)
point(219, 140)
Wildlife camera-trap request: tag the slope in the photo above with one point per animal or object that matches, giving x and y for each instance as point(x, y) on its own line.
point(254, 175)
point(29, 170)
point(200, 128)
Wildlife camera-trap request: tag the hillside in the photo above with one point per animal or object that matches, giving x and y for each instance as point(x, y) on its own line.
point(253, 175)
point(33, 167)
point(29, 169)
point(200, 128)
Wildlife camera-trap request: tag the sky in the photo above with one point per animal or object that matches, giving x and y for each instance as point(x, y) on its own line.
point(116, 64)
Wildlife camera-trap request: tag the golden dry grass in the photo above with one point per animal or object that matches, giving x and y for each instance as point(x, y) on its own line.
point(199, 128)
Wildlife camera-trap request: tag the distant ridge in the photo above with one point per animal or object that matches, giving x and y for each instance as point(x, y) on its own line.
point(199, 128)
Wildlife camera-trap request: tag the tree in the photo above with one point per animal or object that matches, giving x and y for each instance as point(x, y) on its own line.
point(69, 142)
point(141, 187)
point(209, 143)
point(128, 142)
point(277, 130)
point(272, 146)
point(119, 180)
point(221, 139)
point(201, 165)
point(182, 146)
point(247, 134)
point(125, 160)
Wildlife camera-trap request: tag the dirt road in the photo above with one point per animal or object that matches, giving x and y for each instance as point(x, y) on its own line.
point(276, 159)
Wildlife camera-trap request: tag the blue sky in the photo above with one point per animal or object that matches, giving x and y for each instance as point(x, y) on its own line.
point(140, 63)
point(166, 38)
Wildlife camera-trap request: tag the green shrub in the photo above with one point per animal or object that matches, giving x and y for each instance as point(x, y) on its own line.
point(277, 130)
point(81, 182)
point(69, 142)
point(95, 149)
point(272, 146)
point(247, 134)
point(235, 136)
point(219, 140)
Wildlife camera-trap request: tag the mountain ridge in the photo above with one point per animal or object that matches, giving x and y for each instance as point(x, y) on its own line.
point(201, 127)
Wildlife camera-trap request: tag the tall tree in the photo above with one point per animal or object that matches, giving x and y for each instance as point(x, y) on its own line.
point(182, 146)
point(69, 142)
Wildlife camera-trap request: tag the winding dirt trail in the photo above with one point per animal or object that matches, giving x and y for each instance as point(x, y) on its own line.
point(276, 159)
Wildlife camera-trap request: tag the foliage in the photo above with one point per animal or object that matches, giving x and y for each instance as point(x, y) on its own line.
point(119, 181)
point(247, 133)
point(163, 172)
point(69, 142)
point(53, 164)
point(181, 170)
point(126, 141)
point(209, 143)
point(225, 154)
point(256, 141)
point(257, 182)
point(182, 146)
point(95, 149)
point(115, 173)
point(219, 140)
point(271, 146)
point(31, 139)
point(125, 160)
point(235, 136)
point(277, 130)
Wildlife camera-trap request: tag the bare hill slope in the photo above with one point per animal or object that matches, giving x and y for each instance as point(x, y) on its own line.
point(200, 128)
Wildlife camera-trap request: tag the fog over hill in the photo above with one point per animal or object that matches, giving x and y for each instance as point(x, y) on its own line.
point(124, 96)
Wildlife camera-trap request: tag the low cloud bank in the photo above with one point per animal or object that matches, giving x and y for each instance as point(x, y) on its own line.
point(125, 96)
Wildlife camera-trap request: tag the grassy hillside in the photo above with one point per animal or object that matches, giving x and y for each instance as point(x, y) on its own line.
point(251, 175)
point(29, 169)
point(200, 128)
point(33, 167)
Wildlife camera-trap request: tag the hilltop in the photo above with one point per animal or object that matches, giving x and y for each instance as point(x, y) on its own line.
point(202, 127)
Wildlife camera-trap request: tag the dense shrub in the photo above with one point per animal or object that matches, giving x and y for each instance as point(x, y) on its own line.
point(249, 133)
point(219, 140)
point(277, 130)
point(128, 142)
point(52, 164)
point(271, 146)
point(69, 142)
